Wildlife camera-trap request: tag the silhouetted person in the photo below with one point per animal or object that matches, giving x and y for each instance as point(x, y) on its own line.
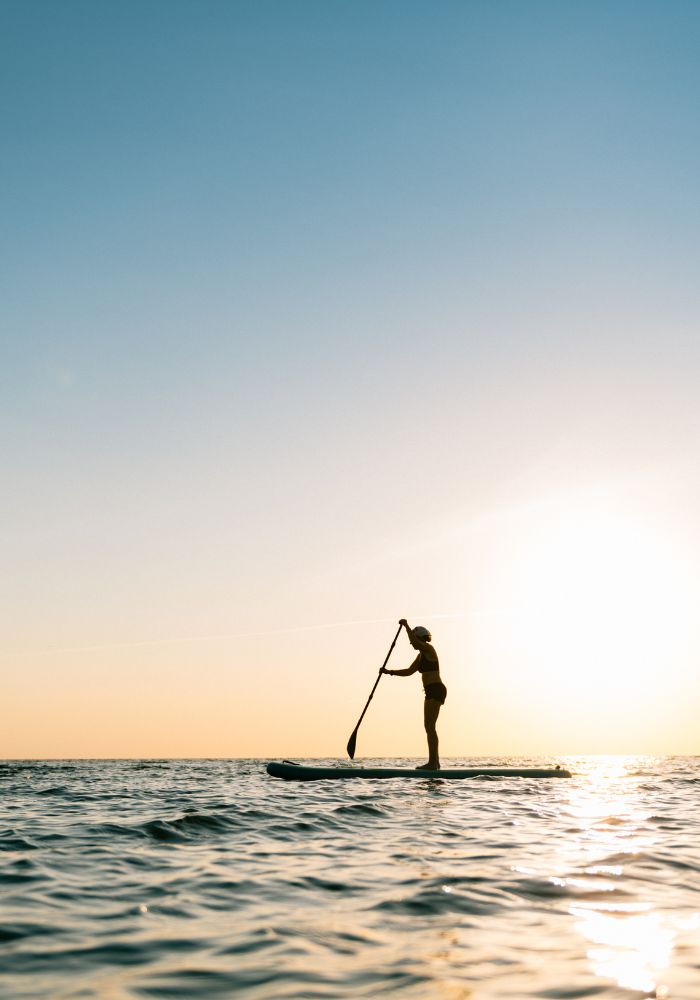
point(428, 666)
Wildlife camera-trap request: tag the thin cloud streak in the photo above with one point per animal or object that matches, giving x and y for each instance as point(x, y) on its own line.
point(213, 637)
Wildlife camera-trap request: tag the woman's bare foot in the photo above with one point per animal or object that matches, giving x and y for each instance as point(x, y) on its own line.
point(428, 767)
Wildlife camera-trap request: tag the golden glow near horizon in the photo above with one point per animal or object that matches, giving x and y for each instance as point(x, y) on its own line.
point(576, 633)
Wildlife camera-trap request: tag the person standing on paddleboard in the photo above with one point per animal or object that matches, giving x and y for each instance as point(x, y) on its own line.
point(428, 666)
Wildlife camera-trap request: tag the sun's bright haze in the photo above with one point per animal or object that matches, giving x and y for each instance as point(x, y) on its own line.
point(315, 315)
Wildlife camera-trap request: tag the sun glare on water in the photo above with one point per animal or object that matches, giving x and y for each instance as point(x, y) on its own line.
point(630, 939)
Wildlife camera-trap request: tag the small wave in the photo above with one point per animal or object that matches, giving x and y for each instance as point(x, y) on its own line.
point(328, 885)
point(566, 888)
point(16, 932)
point(445, 897)
point(186, 827)
point(359, 809)
point(257, 940)
point(10, 841)
point(191, 983)
point(613, 821)
point(623, 857)
point(574, 992)
point(294, 826)
point(22, 877)
point(114, 831)
point(11, 770)
point(434, 903)
point(642, 866)
point(674, 861)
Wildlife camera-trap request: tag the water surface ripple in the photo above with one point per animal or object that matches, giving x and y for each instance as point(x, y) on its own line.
point(124, 879)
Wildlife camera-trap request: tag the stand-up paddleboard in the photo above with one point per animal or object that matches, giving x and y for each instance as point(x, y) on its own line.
point(300, 772)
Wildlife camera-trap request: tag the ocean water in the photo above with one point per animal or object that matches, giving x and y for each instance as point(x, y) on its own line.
point(186, 879)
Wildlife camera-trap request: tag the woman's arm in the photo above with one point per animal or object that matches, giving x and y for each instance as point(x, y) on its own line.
point(404, 673)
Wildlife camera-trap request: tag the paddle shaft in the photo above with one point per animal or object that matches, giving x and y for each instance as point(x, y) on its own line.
point(353, 739)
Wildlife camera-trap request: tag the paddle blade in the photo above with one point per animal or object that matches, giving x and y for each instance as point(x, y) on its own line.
point(351, 745)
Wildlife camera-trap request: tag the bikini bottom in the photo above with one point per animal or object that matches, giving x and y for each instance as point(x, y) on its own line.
point(436, 692)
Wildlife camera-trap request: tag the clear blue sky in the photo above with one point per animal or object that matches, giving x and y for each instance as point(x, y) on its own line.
point(285, 285)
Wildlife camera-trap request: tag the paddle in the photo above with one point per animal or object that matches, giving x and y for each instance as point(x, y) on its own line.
point(353, 739)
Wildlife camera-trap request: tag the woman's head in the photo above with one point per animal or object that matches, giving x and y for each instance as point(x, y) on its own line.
point(422, 634)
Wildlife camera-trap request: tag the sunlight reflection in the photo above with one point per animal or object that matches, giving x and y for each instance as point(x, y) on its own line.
point(633, 949)
point(629, 942)
point(608, 807)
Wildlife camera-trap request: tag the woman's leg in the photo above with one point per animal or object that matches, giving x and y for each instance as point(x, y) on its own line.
point(431, 710)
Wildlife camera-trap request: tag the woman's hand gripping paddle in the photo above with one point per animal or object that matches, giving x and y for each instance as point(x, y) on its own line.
point(353, 739)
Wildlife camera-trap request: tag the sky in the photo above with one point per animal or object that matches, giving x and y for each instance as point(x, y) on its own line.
point(316, 315)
